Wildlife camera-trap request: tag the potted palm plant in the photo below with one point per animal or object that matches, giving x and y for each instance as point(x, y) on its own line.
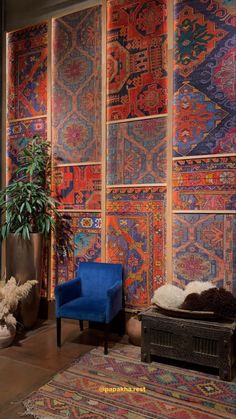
point(28, 213)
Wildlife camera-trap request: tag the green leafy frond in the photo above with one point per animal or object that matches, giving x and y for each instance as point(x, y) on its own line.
point(26, 203)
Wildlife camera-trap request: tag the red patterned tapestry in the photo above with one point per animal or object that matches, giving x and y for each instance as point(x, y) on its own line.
point(204, 249)
point(86, 229)
point(76, 95)
point(205, 184)
point(136, 238)
point(204, 103)
point(18, 134)
point(136, 58)
point(27, 72)
point(137, 152)
point(78, 187)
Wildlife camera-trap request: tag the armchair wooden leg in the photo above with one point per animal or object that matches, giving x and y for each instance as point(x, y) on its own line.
point(121, 323)
point(106, 335)
point(81, 325)
point(59, 332)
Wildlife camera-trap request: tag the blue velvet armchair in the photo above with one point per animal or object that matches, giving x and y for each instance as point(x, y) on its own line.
point(95, 295)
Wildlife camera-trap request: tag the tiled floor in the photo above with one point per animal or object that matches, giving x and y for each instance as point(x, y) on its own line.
point(34, 358)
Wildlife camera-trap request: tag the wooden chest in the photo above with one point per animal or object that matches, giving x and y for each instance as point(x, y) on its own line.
point(200, 342)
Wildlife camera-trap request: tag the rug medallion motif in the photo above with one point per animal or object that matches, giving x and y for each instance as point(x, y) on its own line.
point(204, 113)
point(27, 72)
point(195, 117)
point(76, 95)
point(78, 187)
point(137, 152)
point(204, 249)
point(136, 58)
point(136, 238)
point(195, 37)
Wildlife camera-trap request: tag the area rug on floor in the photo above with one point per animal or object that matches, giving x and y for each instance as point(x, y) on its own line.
point(120, 386)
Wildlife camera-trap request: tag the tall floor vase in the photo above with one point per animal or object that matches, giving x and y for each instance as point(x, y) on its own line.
point(24, 262)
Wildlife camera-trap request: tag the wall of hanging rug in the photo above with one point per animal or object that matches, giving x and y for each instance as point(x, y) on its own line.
point(120, 174)
point(76, 135)
point(137, 145)
point(27, 99)
point(1, 87)
point(204, 160)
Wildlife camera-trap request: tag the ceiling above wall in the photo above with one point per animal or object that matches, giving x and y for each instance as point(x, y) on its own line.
point(24, 12)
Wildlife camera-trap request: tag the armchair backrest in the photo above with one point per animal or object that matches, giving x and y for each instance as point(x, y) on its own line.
point(96, 278)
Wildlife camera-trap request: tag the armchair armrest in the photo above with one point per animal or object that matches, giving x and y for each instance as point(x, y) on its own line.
point(113, 290)
point(67, 291)
point(114, 301)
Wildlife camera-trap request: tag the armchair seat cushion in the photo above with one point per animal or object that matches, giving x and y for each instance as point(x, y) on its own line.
point(84, 308)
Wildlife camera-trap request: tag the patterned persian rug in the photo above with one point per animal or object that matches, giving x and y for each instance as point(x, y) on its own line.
point(120, 386)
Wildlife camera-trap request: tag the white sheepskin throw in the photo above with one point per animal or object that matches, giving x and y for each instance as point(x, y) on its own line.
point(198, 287)
point(168, 296)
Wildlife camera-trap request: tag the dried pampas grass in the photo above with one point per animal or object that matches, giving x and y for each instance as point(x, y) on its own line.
point(10, 295)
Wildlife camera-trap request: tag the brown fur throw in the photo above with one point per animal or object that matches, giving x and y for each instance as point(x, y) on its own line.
point(220, 301)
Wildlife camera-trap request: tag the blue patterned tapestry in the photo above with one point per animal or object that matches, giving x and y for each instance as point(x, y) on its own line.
point(76, 95)
point(204, 249)
point(205, 107)
point(137, 152)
